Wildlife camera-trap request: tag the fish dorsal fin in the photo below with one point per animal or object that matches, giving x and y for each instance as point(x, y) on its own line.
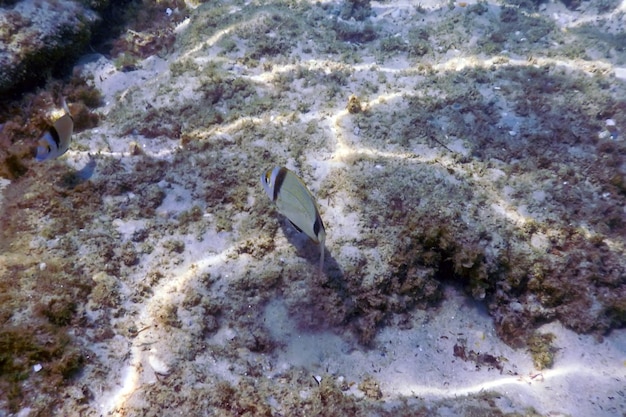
point(64, 127)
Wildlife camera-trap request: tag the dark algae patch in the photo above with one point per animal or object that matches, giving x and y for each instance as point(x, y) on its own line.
point(41, 354)
point(24, 348)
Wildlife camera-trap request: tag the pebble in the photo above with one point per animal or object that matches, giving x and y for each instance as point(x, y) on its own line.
point(611, 126)
point(158, 365)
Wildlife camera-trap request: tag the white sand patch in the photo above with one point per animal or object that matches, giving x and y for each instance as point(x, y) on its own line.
point(3, 184)
point(111, 81)
point(420, 362)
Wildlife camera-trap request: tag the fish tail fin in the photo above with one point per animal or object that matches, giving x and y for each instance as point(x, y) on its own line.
point(322, 250)
point(65, 106)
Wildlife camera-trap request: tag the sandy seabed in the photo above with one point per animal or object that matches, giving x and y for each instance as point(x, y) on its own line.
point(468, 160)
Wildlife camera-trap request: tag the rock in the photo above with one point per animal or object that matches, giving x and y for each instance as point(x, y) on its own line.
point(39, 38)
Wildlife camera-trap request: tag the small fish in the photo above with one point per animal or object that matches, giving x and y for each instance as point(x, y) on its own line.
point(56, 141)
point(294, 201)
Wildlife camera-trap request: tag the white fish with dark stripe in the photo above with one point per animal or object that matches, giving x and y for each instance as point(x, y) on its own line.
point(294, 201)
point(56, 141)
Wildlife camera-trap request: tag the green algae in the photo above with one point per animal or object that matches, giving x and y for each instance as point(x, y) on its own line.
point(541, 349)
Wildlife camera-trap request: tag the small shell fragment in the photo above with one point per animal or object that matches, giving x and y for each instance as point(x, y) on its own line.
point(158, 365)
point(611, 126)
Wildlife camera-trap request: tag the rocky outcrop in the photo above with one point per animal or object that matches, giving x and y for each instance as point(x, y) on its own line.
point(39, 38)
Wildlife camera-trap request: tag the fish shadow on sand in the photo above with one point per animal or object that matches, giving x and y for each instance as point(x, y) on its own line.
point(71, 179)
point(310, 251)
point(332, 280)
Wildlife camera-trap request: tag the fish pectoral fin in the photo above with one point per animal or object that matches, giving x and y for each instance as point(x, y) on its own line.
point(294, 225)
